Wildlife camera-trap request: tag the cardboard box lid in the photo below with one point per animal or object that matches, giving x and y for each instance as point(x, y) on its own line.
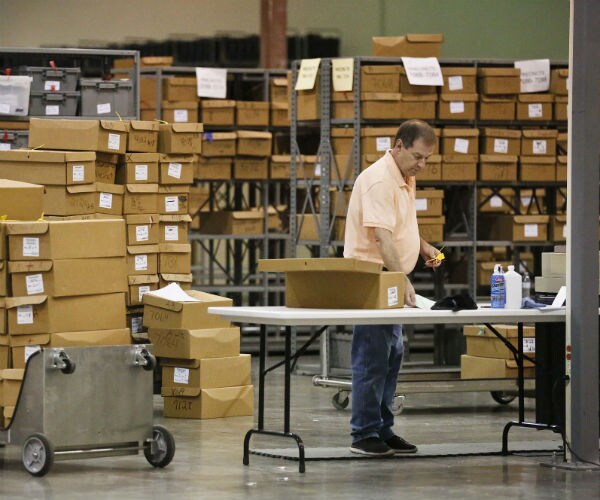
point(342, 132)
point(12, 373)
point(377, 131)
point(142, 219)
point(137, 157)
point(561, 218)
point(180, 278)
point(562, 72)
point(141, 249)
point(175, 189)
point(145, 125)
point(190, 392)
point(460, 158)
point(178, 81)
point(185, 128)
point(109, 188)
point(537, 160)
point(342, 96)
point(175, 218)
point(279, 82)
point(217, 103)
point(378, 70)
point(458, 71)
point(82, 188)
point(429, 193)
point(431, 220)
point(494, 158)
point(33, 300)
point(380, 96)
point(534, 134)
point(181, 363)
point(253, 134)
point(8, 184)
point(562, 159)
point(531, 219)
point(142, 279)
point(219, 136)
point(141, 188)
point(501, 132)
point(319, 264)
point(113, 125)
point(25, 227)
point(453, 97)
point(29, 266)
point(48, 155)
point(285, 105)
point(261, 105)
point(170, 158)
point(513, 72)
point(498, 99)
point(419, 97)
point(176, 306)
point(535, 97)
point(562, 99)
point(460, 132)
point(424, 37)
point(74, 339)
point(179, 105)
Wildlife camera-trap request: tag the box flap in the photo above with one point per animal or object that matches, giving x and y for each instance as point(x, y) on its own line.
point(175, 247)
point(34, 300)
point(179, 278)
point(283, 105)
point(342, 132)
point(378, 131)
point(562, 159)
point(82, 188)
point(142, 219)
point(245, 215)
point(561, 218)
point(145, 125)
point(217, 103)
point(281, 159)
point(143, 279)
point(175, 189)
point(318, 264)
point(419, 97)
point(429, 193)
point(537, 160)
point(458, 70)
point(180, 104)
point(141, 188)
point(535, 97)
point(531, 219)
point(218, 136)
point(262, 105)
point(279, 82)
point(39, 227)
point(175, 218)
point(503, 99)
point(29, 266)
point(534, 134)
point(512, 72)
point(253, 134)
point(460, 132)
point(171, 158)
point(109, 188)
point(120, 336)
point(178, 81)
point(141, 157)
point(378, 70)
point(498, 159)
point(380, 96)
point(187, 127)
point(141, 249)
point(25, 340)
point(12, 373)
point(46, 155)
point(114, 125)
point(342, 96)
point(424, 37)
point(180, 363)
point(459, 158)
point(190, 392)
point(501, 132)
point(451, 97)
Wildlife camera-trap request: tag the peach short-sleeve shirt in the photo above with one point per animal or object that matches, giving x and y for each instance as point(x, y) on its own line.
point(381, 197)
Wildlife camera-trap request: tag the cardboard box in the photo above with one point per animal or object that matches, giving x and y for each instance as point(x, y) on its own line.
point(3, 240)
point(138, 168)
point(142, 136)
point(175, 169)
point(179, 88)
point(4, 354)
point(380, 105)
point(561, 200)
point(173, 228)
point(218, 144)
point(420, 106)
point(482, 342)
point(342, 105)
point(69, 200)
point(43, 314)
point(142, 260)
point(459, 79)
point(20, 200)
point(534, 107)
point(60, 168)
point(196, 344)
point(179, 112)
point(407, 88)
point(232, 222)
point(494, 81)
point(250, 168)
point(429, 202)
point(278, 90)
point(530, 228)
point(280, 114)
point(217, 112)
point(495, 227)
point(138, 286)
point(109, 199)
point(142, 229)
point(11, 379)
point(496, 200)
point(496, 141)
point(106, 167)
point(341, 140)
point(254, 143)
point(2, 323)
point(539, 142)
point(537, 168)
point(140, 199)
point(183, 280)
point(459, 167)
point(280, 166)
point(175, 258)
point(411, 45)
point(317, 283)
point(431, 229)
point(308, 102)
point(558, 81)
point(531, 201)
point(384, 78)
point(561, 168)
point(208, 403)
point(497, 167)
point(562, 143)
point(78, 135)
point(457, 141)
point(561, 103)
point(453, 106)
point(206, 373)
point(217, 168)
point(377, 140)
point(173, 200)
point(492, 107)
point(69, 239)
point(4, 288)
point(252, 113)
point(477, 367)
point(342, 167)
point(559, 227)
point(68, 277)
point(432, 170)
point(180, 138)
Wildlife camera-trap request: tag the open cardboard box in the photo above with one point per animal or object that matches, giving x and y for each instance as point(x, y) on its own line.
point(337, 283)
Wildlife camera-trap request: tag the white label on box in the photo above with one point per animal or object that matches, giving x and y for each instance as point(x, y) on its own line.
point(142, 233)
point(531, 230)
point(180, 115)
point(529, 344)
point(103, 109)
point(455, 82)
point(317, 170)
point(461, 145)
point(34, 283)
point(525, 201)
point(141, 263)
point(52, 85)
point(383, 143)
point(211, 82)
point(539, 146)
point(421, 204)
point(4, 107)
point(535, 110)
point(30, 350)
point(105, 200)
point(307, 74)
point(392, 296)
point(114, 141)
point(78, 173)
point(174, 170)
point(25, 315)
point(141, 172)
point(457, 107)
point(564, 231)
point(501, 146)
point(52, 110)
point(4, 146)
point(143, 290)
point(181, 375)
point(137, 324)
point(342, 73)
point(423, 71)
point(535, 75)
point(496, 201)
point(171, 204)
point(31, 247)
point(171, 233)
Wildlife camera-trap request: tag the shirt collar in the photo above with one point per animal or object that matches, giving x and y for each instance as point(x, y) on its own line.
point(402, 181)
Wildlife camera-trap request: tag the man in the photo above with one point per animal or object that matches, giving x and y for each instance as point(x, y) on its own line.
point(381, 226)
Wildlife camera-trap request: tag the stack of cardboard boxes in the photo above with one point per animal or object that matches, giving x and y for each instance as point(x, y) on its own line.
point(203, 373)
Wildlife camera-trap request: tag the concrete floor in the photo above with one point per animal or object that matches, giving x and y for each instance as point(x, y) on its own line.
point(208, 460)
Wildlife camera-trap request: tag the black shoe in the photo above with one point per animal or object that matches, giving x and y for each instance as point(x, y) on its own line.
point(372, 446)
point(399, 445)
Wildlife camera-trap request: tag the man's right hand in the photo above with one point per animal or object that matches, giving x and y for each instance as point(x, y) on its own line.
point(409, 294)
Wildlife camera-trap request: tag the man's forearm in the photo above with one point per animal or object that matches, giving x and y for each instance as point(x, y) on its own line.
point(388, 250)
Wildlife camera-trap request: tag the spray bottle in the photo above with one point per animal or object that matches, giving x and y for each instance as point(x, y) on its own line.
point(497, 288)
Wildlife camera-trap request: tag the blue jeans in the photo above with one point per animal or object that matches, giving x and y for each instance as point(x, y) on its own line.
point(376, 358)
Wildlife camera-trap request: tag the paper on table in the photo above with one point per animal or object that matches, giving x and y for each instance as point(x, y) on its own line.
point(173, 292)
point(423, 71)
point(423, 302)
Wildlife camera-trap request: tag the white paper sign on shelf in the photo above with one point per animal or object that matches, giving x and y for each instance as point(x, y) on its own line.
point(342, 72)
point(307, 75)
point(211, 82)
point(423, 71)
point(535, 75)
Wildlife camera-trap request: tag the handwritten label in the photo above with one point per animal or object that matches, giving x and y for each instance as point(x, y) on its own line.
point(180, 115)
point(383, 143)
point(342, 71)
point(25, 315)
point(141, 263)
point(174, 170)
point(307, 75)
point(455, 82)
point(539, 147)
point(105, 200)
point(103, 109)
point(392, 296)
point(525, 201)
point(142, 233)
point(529, 344)
point(142, 290)
point(31, 247)
point(78, 173)
point(34, 283)
point(531, 230)
point(496, 201)
point(141, 172)
point(171, 233)
point(181, 375)
point(535, 75)
point(461, 145)
point(211, 82)
point(171, 204)
point(421, 204)
point(52, 110)
point(501, 146)
point(114, 141)
point(53, 85)
point(4, 146)
point(457, 107)
point(423, 71)
point(534, 110)
point(137, 324)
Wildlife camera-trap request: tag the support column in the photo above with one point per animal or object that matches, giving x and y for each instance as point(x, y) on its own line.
point(273, 34)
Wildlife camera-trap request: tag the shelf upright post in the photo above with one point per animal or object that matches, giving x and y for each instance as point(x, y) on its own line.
point(325, 159)
point(295, 153)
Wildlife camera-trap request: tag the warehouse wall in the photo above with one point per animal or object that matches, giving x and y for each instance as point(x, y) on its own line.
point(473, 28)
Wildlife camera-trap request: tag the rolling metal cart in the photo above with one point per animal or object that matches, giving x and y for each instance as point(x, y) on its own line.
point(84, 402)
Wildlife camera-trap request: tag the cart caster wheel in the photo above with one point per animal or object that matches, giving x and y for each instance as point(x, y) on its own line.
point(150, 361)
point(398, 404)
point(164, 447)
point(69, 363)
point(340, 400)
point(502, 397)
point(38, 455)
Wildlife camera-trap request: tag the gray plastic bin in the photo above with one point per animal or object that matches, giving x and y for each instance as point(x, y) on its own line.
point(52, 79)
point(54, 103)
point(13, 139)
point(107, 99)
